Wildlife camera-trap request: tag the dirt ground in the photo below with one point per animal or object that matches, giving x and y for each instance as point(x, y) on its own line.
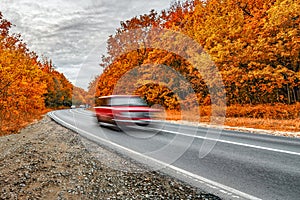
point(48, 161)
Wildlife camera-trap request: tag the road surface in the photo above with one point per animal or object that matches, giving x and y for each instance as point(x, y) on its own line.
point(229, 164)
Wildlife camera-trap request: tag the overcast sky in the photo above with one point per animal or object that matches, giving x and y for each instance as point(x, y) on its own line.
point(73, 33)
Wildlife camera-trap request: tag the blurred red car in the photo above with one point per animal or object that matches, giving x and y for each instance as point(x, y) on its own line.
point(124, 110)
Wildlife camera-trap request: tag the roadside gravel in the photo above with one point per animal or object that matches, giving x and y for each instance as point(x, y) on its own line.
point(48, 161)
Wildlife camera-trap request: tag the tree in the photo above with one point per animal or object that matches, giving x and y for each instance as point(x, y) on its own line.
point(254, 43)
point(21, 86)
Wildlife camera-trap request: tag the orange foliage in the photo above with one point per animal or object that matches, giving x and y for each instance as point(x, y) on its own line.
point(21, 85)
point(59, 89)
point(28, 87)
point(80, 96)
point(254, 43)
point(278, 117)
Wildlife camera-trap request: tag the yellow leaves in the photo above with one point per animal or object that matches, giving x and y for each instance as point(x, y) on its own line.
point(254, 43)
point(26, 83)
point(21, 87)
point(283, 12)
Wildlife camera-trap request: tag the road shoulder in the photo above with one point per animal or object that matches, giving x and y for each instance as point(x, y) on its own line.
point(47, 160)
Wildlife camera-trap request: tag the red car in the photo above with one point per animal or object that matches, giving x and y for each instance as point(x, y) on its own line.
point(124, 110)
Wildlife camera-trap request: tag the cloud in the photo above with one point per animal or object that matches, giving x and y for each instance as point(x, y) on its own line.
point(73, 33)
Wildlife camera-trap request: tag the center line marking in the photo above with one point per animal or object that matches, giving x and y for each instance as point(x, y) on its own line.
point(230, 142)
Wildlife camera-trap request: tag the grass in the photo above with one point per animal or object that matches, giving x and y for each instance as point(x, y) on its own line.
point(291, 125)
point(267, 117)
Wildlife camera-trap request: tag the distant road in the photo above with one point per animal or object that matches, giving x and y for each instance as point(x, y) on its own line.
point(240, 166)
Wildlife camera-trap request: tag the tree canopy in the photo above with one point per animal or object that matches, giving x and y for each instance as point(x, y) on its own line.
point(255, 45)
point(28, 86)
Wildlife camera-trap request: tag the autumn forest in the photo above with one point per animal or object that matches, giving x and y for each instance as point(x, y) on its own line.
point(254, 45)
point(28, 87)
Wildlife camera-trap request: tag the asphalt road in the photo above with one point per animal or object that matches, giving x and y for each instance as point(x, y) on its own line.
point(229, 164)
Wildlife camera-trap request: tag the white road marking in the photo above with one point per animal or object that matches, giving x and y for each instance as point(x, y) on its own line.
point(81, 112)
point(218, 140)
point(200, 179)
point(230, 142)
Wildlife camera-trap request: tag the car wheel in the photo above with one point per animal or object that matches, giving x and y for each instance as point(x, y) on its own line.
point(142, 124)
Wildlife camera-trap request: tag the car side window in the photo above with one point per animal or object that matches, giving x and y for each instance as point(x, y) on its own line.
point(108, 102)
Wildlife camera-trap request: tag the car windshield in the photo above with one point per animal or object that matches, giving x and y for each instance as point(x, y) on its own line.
point(127, 101)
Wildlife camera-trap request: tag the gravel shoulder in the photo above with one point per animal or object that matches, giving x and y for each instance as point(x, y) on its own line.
point(48, 161)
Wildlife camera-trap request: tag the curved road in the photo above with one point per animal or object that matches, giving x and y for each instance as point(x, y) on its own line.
point(238, 165)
